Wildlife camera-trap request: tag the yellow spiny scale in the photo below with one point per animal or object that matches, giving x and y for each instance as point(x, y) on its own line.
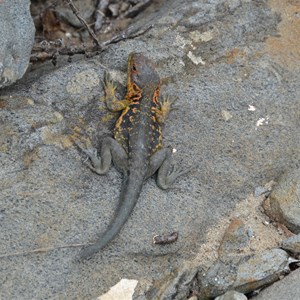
point(156, 95)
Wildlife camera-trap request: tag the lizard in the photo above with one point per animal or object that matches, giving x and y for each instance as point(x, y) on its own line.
point(136, 149)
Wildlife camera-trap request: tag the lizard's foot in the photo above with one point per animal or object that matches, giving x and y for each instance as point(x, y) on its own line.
point(161, 161)
point(98, 164)
point(93, 161)
point(165, 108)
point(165, 182)
point(109, 86)
point(111, 100)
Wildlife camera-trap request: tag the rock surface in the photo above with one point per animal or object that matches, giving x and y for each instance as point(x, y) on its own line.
point(286, 289)
point(86, 9)
point(217, 60)
point(292, 244)
point(16, 39)
point(244, 274)
point(283, 205)
point(124, 290)
point(261, 269)
point(234, 240)
point(232, 295)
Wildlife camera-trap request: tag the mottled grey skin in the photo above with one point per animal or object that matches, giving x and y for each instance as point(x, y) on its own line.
point(136, 149)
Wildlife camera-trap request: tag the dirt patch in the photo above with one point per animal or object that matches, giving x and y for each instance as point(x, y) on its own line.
point(285, 48)
point(265, 235)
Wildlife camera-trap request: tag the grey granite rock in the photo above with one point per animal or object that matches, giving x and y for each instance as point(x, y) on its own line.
point(283, 204)
point(86, 10)
point(236, 237)
point(218, 278)
point(292, 244)
point(214, 60)
point(287, 288)
point(243, 274)
point(16, 39)
point(177, 285)
point(261, 269)
point(232, 295)
point(261, 190)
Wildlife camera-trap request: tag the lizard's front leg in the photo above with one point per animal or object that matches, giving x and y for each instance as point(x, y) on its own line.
point(111, 100)
point(111, 150)
point(162, 113)
point(167, 173)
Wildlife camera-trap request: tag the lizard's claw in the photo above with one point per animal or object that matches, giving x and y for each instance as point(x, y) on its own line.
point(164, 109)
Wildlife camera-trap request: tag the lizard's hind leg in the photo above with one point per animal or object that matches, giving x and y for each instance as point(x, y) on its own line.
point(111, 150)
point(161, 161)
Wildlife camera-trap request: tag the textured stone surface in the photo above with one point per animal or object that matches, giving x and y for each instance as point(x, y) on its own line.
point(124, 290)
point(232, 295)
point(16, 39)
point(292, 244)
point(286, 289)
point(218, 279)
point(244, 274)
point(86, 9)
point(176, 285)
point(283, 204)
point(50, 199)
point(234, 239)
point(261, 269)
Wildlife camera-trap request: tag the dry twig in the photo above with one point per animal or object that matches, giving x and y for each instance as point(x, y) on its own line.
point(127, 34)
point(41, 250)
point(45, 51)
point(85, 24)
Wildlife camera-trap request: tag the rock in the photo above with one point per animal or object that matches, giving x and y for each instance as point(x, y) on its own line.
point(219, 278)
point(235, 239)
point(287, 288)
point(244, 274)
point(49, 198)
point(177, 285)
point(114, 8)
point(232, 295)
point(283, 205)
point(261, 190)
point(143, 288)
point(292, 244)
point(124, 290)
point(86, 10)
point(16, 39)
point(261, 269)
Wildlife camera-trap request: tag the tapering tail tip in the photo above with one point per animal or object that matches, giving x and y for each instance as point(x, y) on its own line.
point(88, 252)
point(130, 191)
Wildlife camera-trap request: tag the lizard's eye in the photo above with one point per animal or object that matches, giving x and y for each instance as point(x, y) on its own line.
point(133, 68)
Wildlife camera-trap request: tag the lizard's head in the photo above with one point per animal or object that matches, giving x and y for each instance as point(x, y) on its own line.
point(142, 72)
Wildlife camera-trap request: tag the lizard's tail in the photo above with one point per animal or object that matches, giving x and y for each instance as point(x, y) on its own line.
point(128, 198)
